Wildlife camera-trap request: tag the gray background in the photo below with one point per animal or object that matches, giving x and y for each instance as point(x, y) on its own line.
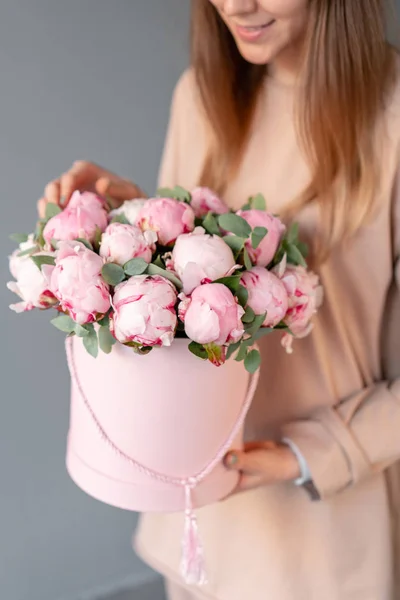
point(78, 79)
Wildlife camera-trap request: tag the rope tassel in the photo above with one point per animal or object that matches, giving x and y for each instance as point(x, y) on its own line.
point(192, 563)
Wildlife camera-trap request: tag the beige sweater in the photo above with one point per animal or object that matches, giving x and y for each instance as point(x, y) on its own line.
point(337, 397)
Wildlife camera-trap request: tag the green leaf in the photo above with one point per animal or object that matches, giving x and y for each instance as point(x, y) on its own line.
point(235, 243)
point(97, 237)
point(155, 270)
point(43, 260)
point(242, 295)
point(293, 233)
point(158, 262)
point(39, 232)
point(52, 210)
point(105, 321)
point(166, 192)
point(85, 243)
point(246, 206)
point(198, 350)
point(80, 331)
point(121, 218)
point(256, 324)
point(295, 256)
point(54, 243)
point(64, 323)
point(258, 202)
point(257, 236)
point(241, 355)
point(232, 282)
point(135, 266)
point(210, 224)
point(91, 343)
point(19, 237)
point(252, 361)
point(234, 224)
point(247, 261)
point(249, 315)
point(263, 331)
point(106, 340)
point(28, 251)
point(113, 274)
point(303, 248)
point(232, 349)
point(182, 194)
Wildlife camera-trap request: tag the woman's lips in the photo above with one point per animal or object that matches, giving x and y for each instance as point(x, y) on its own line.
point(252, 33)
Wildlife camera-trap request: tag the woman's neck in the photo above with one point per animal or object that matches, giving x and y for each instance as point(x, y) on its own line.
point(286, 67)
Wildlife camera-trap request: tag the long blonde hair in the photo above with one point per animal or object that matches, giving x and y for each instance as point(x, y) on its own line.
point(348, 73)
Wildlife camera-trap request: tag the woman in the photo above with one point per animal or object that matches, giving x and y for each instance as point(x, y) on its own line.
point(299, 100)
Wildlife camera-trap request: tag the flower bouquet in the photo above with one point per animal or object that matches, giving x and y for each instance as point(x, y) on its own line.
point(191, 285)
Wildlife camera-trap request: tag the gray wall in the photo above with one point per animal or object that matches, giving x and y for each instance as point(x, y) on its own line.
point(78, 79)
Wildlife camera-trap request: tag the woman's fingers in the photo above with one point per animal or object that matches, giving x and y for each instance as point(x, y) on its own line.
point(41, 207)
point(52, 191)
point(117, 189)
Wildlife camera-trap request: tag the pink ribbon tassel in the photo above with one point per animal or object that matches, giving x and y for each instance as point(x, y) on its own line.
point(192, 564)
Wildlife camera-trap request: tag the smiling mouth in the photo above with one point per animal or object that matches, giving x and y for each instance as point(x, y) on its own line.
point(256, 27)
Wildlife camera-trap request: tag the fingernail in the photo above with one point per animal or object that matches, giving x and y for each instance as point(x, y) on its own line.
point(62, 200)
point(231, 459)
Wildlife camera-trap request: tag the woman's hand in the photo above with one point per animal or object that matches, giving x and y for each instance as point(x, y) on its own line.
point(263, 463)
point(87, 176)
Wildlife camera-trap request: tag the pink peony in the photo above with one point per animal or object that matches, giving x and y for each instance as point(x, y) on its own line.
point(265, 252)
point(205, 200)
point(144, 311)
point(266, 294)
point(305, 297)
point(121, 243)
point(77, 282)
point(169, 218)
point(130, 209)
point(212, 315)
point(200, 258)
point(31, 284)
point(84, 213)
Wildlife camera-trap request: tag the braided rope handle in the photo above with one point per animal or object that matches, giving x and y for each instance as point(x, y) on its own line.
point(192, 481)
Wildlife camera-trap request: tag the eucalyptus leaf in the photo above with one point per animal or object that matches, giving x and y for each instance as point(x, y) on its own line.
point(165, 192)
point(52, 210)
point(43, 260)
point(252, 361)
point(155, 270)
point(293, 233)
point(198, 350)
point(135, 266)
point(235, 243)
point(295, 256)
point(303, 248)
point(105, 321)
point(234, 224)
point(64, 323)
point(247, 261)
point(257, 236)
point(182, 194)
point(256, 324)
point(249, 315)
point(113, 274)
point(85, 243)
point(258, 202)
point(246, 206)
point(241, 355)
point(28, 251)
point(97, 237)
point(80, 331)
point(19, 238)
point(210, 224)
point(242, 295)
point(121, 218)
point(232, 348)
point(158, 262)
point(106, 340)
point(91, 343)
point(232, 282)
